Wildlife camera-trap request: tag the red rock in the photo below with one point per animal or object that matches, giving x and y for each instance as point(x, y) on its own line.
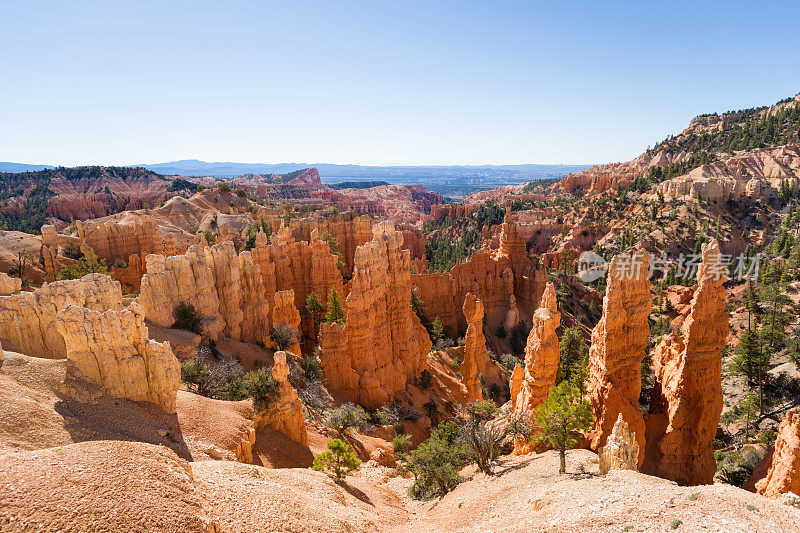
point(784, 470)
point(619, 344)
point(686, 402)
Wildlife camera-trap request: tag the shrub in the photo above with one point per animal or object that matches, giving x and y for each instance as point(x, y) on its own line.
point(311, 367)
point(261, 387)
point(227, 381)
point(508, 362)
point(187, 318)
point(425, 380)
point(88, 264)
point(346, 416)
point(120, 263)
point(195, 373)
point(401, 444)
point(436, 462)
point(284, 336)
point(481, 434)
point(338, 460)
point(501, 332)
point(519, 336)
point(72, 251)
point(241, 193)
point(224, 187)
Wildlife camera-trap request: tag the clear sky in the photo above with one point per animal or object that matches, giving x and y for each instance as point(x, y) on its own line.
point(378, 82)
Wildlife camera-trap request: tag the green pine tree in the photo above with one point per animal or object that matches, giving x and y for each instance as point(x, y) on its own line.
point(338, 459)
point(560, 418)
point(335, 311)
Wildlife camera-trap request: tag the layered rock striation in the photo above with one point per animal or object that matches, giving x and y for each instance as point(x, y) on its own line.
point(686, 401)
point(28, 319)
point(383, 346)
point(619, 344)
point(111, 349)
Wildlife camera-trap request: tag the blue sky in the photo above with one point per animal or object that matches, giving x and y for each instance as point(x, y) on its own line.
point(379, 82)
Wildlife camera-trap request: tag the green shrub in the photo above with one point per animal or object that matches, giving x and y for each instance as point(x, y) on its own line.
point(195, 373)
point(284, 336)
point(261, 387)
point(224, 187)
point(338, 460)
point(437, 461)
point(72, 251)
point(346, 416)
point(187, 318)
point(425, 380)
point(88, 264)
point(401, 444)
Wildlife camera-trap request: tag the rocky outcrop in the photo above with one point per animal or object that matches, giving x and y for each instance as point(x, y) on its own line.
point(111, 350)
point(304, 267)
point(754, 175)
point(474, 348)
point(686, 401)
point(284, 312)
point(619, 344)
point(383, 345)
point(28, 319)
point(494, 277)
point(621, 451)
point(516, 384)
point(542, 355)
point(784, 472)
point(119, 239)
point(188, 278)
point(9, 285)
point(285, 413)
point(348, 230)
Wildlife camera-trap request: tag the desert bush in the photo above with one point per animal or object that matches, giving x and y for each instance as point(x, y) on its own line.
point(481, 432)
point(346, 416)
point(187, 318)
point(284, 336)
point(261, 387)
point(401, 444)
point(437, 461)
point(425, 380)
point(72, 251)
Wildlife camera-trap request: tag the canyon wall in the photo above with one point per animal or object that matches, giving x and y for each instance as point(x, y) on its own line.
point(784, 471)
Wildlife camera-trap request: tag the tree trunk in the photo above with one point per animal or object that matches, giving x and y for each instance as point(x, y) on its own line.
point(562, 455)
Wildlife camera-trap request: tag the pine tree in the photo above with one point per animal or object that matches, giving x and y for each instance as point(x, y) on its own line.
point(335, 311)
point(574, 358)
point(561, 417)
point(314, 311)
point(338, 459)
point(437, 330)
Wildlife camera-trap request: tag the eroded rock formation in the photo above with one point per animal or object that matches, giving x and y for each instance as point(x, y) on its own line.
point(9, 285)
point(284, 312)
point(474, 348)
point(542, 355)
point(619, 344)
point(784, 472)
point(28, 319)
point(285, 413)
point(111, 349)
point(383, 345)
point(621, 451)
point(686, 401)
point(494, 277)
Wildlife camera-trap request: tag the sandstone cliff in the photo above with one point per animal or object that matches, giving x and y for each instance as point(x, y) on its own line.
point(9, 285)
point(686, 402)
point(110, 349)
point(383, 345)
point(784, 472)
point(28, 319)
point(619, 344)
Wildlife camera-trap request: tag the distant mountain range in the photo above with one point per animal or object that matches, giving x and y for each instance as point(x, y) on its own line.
point(450, 180)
